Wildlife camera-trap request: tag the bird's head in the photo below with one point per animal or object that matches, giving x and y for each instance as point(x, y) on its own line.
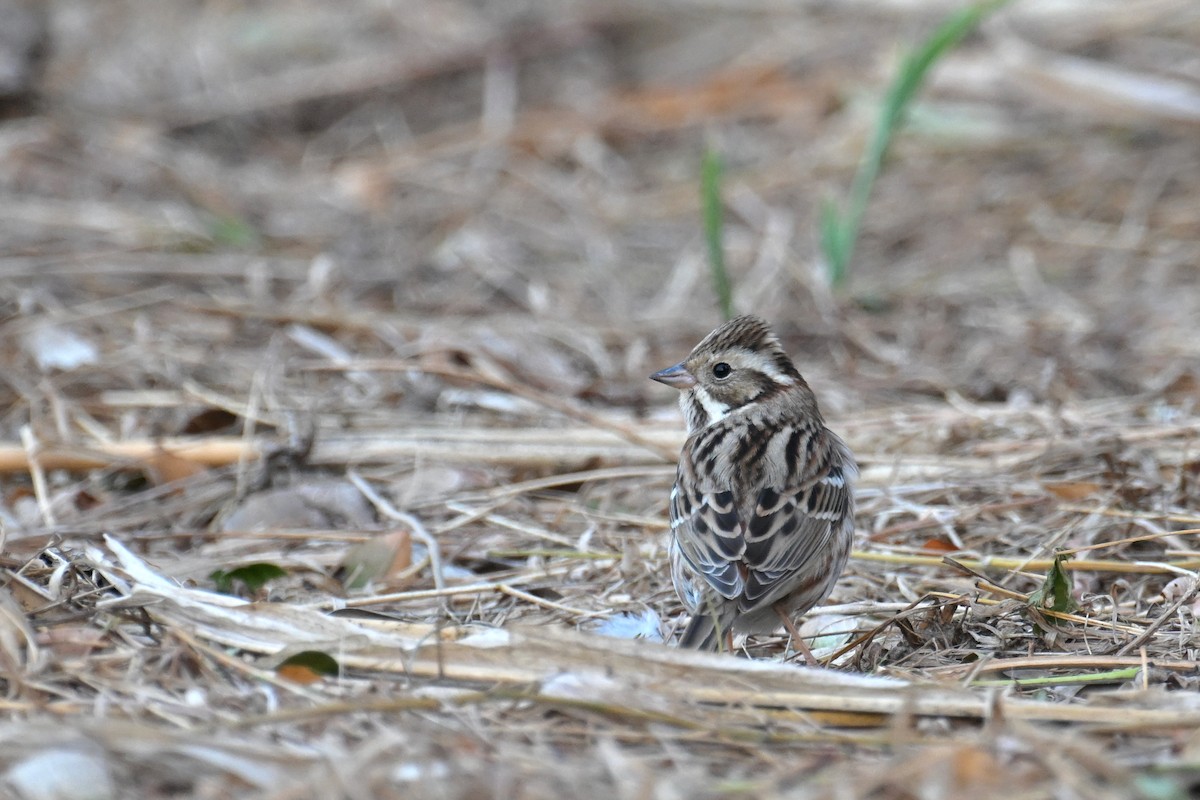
point(738, 364)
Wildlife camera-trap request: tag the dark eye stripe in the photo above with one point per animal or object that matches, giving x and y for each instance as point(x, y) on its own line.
point(765, 386)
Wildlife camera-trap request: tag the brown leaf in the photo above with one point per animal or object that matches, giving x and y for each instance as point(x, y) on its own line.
point(307, 666)
point(316, 505)
point(164, 467)
point(72, 640)
point(376, 561)
point(1072, 490)
point(18, 493)
point(1185, 386)
point(939, 545)
point(973, 766)
point(18, 648)
point(298, 673)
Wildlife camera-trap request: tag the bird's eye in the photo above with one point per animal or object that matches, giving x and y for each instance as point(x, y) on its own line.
point(721, 370)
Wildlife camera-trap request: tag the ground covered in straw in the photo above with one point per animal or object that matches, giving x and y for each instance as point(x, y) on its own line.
point(330, 467)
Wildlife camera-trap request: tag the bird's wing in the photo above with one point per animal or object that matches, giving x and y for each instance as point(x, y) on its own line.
point(793, 525)
point(708, 534)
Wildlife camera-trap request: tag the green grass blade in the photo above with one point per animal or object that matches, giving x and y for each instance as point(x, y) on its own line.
point(839, 231)
point(714, 229)
point(1112, 676)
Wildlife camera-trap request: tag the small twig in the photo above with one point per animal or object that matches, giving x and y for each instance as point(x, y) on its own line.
point(250, 424)
point(1148, 537)
point(1066, 661)
point(248, 410)
point(1034, 565)
point(213, 451)
point(1187, 519)
point(1023, 600)
point(1148, 633)
point(451, 591)
point(240, 665)
point(38, 474)
point(540, 601)
point(553, 481)
point(978, 667)
point(529, 530)
point(544, 399)
point(912, 608)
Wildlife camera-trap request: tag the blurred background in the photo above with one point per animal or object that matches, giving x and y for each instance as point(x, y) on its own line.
point(1034, 230)
point(436, 246)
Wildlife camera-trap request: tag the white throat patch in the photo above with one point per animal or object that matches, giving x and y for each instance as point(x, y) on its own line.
point(716, 411)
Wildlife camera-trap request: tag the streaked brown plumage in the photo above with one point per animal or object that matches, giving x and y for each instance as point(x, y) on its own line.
point(762, 512)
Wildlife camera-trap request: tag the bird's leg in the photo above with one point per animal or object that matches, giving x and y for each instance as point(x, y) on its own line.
point(724, 634)
point(797, 639)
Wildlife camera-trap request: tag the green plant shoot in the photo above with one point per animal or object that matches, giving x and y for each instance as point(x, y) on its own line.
point(839, 228)
point(710, 199)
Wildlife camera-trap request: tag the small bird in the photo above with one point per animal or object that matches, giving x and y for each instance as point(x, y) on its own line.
point(762, 511)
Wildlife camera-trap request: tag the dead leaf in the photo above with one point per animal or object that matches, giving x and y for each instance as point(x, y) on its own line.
point(18, 643)
point(72, 640)
point(374, 562)
point(164, 467)
point(1185, 386)
point(939, 545)
point(1072, 491)
point(1177, 588)
point(973, 766)
point(308, 666)
point(318, 505)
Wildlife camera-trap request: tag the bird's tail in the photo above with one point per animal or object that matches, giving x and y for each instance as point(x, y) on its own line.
point(705, 631)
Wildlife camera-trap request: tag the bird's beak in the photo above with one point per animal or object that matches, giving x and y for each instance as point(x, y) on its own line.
point(677, 377)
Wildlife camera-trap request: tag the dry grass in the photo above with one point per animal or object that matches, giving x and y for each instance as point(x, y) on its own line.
point(371, 296)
